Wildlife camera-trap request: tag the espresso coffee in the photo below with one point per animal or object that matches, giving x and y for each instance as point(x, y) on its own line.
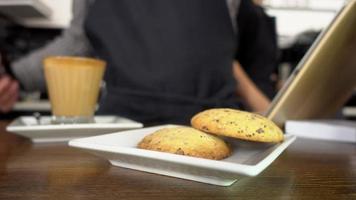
point(73, 85)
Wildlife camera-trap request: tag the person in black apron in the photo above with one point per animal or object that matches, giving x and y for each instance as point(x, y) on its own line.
point(167, 60)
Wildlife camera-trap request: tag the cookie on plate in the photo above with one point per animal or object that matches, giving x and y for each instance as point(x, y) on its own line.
point(186, 141)
point(237, 124)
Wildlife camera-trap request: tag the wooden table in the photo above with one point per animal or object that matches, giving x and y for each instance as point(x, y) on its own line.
point(306, 170)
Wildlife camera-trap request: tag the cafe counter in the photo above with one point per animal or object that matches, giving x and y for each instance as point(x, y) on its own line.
point(308, 169)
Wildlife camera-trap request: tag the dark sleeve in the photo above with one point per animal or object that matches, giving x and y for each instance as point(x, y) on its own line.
point(257, 45)
point(72, 42)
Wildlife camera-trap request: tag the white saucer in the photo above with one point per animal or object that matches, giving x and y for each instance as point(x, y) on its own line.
point(247, 159)
point(47, 132)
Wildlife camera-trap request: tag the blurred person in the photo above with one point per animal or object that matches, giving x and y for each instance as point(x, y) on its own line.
point(256, 46)
point(166, 60)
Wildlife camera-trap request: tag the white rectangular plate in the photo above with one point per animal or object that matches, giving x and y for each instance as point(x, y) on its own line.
point(47, 132)
point(248, 158)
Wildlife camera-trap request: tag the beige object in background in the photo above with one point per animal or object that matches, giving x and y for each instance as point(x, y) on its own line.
point(73, 85)
point(186, 141)
point(325, 78)
point(237, 124)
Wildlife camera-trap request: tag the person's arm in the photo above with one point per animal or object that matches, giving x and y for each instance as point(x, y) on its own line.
point(257, 49)
point(9, 87)
point(28, 70)
point(72, 42)
point(251, 96)
point(8, 93)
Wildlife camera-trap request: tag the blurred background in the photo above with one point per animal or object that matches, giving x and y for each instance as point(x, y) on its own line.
point(26, 25)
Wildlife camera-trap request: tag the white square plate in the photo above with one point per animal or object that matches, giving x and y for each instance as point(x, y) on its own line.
point(47, 132)
point(248, 158)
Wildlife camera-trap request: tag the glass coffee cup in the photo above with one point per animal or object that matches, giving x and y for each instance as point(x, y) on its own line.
point(73, 85)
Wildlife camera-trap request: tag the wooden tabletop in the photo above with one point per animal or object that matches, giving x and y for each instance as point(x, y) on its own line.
point(308, 169)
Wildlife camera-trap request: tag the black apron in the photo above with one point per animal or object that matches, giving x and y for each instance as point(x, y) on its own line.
point(167, 60)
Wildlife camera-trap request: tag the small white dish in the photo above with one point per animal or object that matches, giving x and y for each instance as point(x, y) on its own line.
point(248, 158)
point(44, 131)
